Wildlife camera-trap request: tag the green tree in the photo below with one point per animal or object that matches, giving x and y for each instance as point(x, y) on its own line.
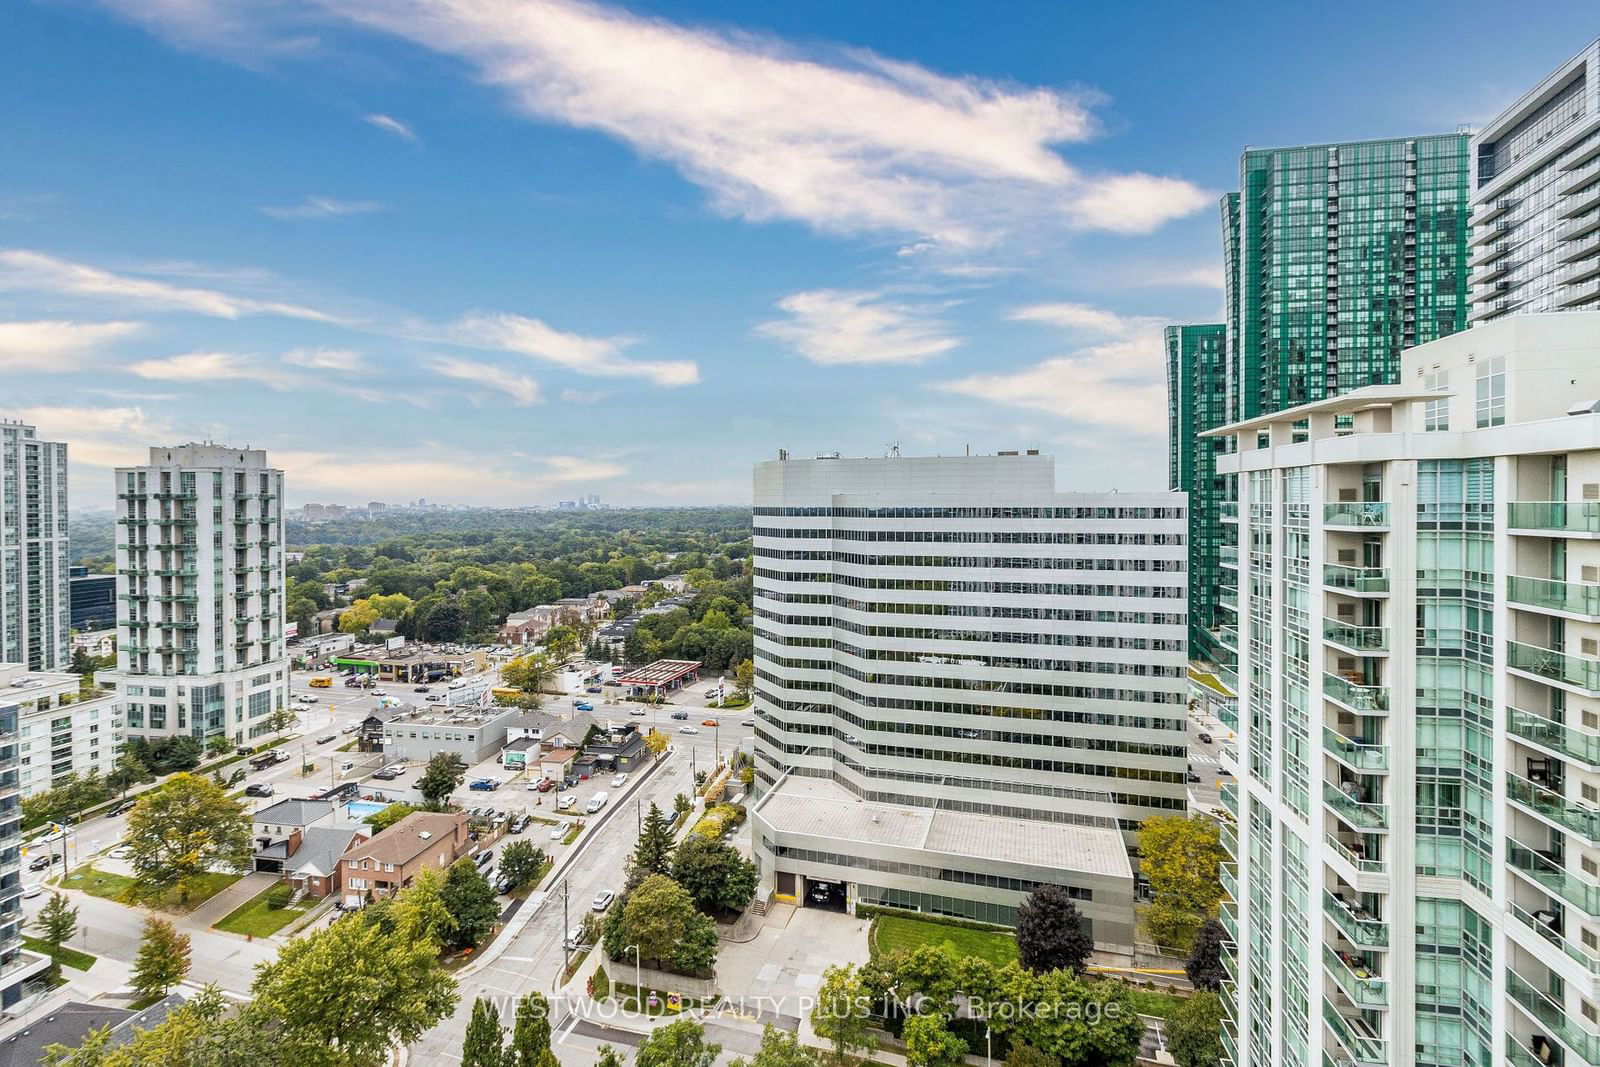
point(520, 861)
point(744, 679)
point(717, 877)
point(842, 1015)
point(282, 719)
point(653, 852)
point(383, 819)
point(441, 777)
point(444, 621)
point(1051, 933)
point(657, 917)
point(182, 831)
point(56, 922)
point(481, 1046)
point(561, 641)
point(928, 971)
point(530, 1034)
point(530, 673)
point(128, 771)
point(1194, 1031)
point(607, 1057)
point(420, 912)
point(930, 1044)
point(163, 959)
point(1023, 1054)
point(469, 898)
point(1181, 858)
point(678, 1044)
point(779, 1048)
point(390, 991)
point(1204, 966)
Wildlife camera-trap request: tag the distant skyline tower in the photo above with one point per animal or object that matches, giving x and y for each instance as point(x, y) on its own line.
point(1196, 402)
point(35, 604)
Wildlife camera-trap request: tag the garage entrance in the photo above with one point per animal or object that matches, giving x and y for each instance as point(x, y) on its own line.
point(821, 894)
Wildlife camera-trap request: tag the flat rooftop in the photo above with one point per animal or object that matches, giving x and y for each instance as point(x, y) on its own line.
point(661, 672)
point(819, 807)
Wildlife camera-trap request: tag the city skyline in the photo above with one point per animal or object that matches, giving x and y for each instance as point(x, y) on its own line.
point(362, 243)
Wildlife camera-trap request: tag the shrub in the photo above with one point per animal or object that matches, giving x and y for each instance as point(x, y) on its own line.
point(278, 897)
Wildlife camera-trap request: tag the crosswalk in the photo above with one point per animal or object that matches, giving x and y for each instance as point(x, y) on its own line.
point(1200, 757)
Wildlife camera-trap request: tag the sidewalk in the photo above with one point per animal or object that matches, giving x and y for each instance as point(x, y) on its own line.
point(226, 901)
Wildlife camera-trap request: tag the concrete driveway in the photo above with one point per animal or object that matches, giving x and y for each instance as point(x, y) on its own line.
point(775, 976)
point(224, 902)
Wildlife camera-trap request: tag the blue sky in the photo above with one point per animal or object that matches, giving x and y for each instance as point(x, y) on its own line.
point(508, 251)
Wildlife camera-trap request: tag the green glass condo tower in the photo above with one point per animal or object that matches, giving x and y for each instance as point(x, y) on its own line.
point(1197, 394)
point(1336, 257)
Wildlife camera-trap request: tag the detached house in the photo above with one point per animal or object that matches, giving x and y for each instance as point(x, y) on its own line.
point(388, 862)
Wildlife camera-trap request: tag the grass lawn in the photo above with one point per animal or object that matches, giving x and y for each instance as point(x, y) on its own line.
point(69, 957)
point(1151, 1002)
point(98, 883)
point(894, 932)
point(254, 917)
point(572, 835)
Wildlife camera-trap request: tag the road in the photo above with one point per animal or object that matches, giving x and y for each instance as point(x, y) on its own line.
point(1205, 761)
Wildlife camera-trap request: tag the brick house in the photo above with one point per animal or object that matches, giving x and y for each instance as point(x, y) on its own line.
point(388, 862)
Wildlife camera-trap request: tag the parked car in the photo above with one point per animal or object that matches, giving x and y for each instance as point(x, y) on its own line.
point(680, 715)
point(33, 889)
point(519, 824)
point(708, 722)
point(594, 689)
point(122, 852)
point(484, 784)
point(434, 698)
point(259, 789)
point(503, 884)
point(558, 832)
point(574, 937)
point(748, 722)
point(420, 689)
point(596, 802)
point(123, 808)
point(637, 711)
point(583, 705)
point(1205, 738)
point(386, 774)
point(603, 899)
point(483, 857)
point(688, 729)
point(244, 750)
point(566, 803)
point(619, 781)
point(325, 738)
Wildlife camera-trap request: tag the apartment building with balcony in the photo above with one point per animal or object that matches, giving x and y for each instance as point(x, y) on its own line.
point(1415, 842)
point(1197, 394)
point(59, 731)
point(967, 683)
point(200, 593)
point(21, 972)
point(1536, 198)
point(35, 606)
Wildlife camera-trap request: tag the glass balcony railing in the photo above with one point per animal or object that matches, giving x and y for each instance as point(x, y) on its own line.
point(1363, 698)
point(1358, 638)
point(1356, 979)
point(1355, 812)
point(1350, 1032)
point(1561, 515)
point(1230, 883)
point(1576, 745)
point(1576, 598)
point(1228, 511)
point(1366, 514)
point(1356, 860)
point(1228, 838)
point(1360, 928)
point(1228, 597)
point(1553, 1016)
point(1228, 715)
point(1546, 873)
point(1357, 754)
point(1228, 555)
point(1228, 637)
point(1518, 1055)
point(1544, 930)
point(1579, 671)
point(1230, 798)
point(1582, 821)
point(1229, 921)
point(1356, 579)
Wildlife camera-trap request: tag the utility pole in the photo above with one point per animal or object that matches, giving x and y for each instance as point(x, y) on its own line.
point(565, 928)
point(638, 815)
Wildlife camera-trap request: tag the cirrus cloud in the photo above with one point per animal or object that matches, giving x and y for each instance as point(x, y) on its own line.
point(835, 327)
point(57, 345)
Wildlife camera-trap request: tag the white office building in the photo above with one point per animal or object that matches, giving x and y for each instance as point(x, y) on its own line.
point(1536, 198)
point(967, 683)
point(1416, 874)
point(200, 593)
point(35, 605)
point(59, 732)
point(22, 973)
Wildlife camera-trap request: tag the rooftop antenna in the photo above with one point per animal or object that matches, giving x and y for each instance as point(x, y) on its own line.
point(894, 451)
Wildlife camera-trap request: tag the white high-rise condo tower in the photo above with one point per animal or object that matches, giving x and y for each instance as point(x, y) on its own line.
point(1416, 835)
point(35, 605)
point(200, 593)
point(1536, 198)
point(967, 683)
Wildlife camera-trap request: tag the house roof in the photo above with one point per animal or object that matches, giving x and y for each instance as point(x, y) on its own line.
point(576, 727)
point(405, 840)
point(71, 1022)
point(559, 755)
point(522, 744)
point(321, 847)
point(383, 624)
point(294, 812)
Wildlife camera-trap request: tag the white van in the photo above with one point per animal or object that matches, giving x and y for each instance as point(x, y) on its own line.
point(597, 802)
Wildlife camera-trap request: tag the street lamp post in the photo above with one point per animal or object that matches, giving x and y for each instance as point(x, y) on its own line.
point(638, 977)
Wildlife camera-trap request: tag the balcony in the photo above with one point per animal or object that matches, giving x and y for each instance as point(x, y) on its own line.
point(1359, 581)
point(1358, 755)
point(1357, 813)
point(1228, 511)
point(1488, 253)
point(1579, 227)
point(1585, 201)
point(1577, 272)
point(1579, 294)
point(1550, 805)
point(1553, 1017)
point(1542, 870)
point(1573, 251)
point(1228, 555)
point(1358, 639)
point(1491, 232)
point(1557, 737)
point(1354, 976)
point(1227, 637)
point(1355, 923)
point(1491, 210)
point(1582, 178)
point(1553, 936)
point(1577, 672)
point(1355, 859)
point(1549, 594)
point(1228, 597)
point(1356, 515)
point(1556, 516)
point(1365, 1047)
point(1364, 699)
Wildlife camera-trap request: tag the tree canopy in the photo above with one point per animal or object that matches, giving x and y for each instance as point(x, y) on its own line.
point(186, 829)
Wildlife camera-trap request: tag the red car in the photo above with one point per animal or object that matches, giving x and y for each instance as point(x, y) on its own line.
point(545, 785)
point(708, 722)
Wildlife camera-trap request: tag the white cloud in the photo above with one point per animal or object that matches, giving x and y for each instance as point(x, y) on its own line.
point(36, 272)
point(341, 360)
point(848, 142)
point(835, 327)
point(390, 124)
point(440, 472)
point(323, 207)
point(522, 389)
point(596, 356)
point(1119, 381)
point(213, 367)
point(99, 436)
point(56, 345)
